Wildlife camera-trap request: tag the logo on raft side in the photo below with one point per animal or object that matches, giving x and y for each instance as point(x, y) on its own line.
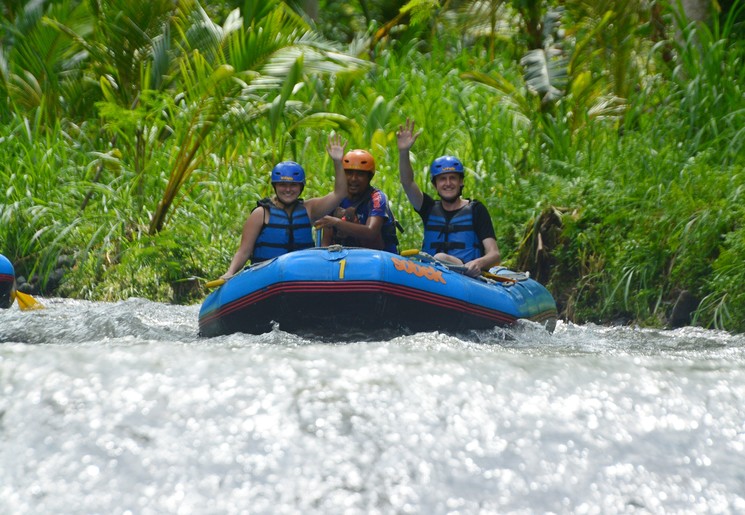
point(428, 272)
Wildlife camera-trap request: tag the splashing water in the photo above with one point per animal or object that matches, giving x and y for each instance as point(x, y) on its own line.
point(121, 408)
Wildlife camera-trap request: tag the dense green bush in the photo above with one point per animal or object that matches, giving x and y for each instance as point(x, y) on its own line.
point(620, 146)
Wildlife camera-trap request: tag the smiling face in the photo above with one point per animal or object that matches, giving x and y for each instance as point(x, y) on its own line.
point(449, 185)
point(357, 182)
point(287, 192)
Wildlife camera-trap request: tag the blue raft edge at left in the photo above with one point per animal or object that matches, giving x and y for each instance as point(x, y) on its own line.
point(7, 282)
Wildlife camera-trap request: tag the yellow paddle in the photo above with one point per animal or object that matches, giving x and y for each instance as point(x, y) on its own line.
point(26, 302)
point(214, 283)
point(208, 284)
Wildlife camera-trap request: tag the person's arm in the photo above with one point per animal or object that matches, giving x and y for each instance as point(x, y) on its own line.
point(490, 258)
point(318, 207)
point(369, 235)
point(485, 232)
point(251, 230)
point(406, 138)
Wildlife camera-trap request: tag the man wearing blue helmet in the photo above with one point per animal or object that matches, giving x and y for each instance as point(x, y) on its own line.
point(456, 230)
point(281, 224)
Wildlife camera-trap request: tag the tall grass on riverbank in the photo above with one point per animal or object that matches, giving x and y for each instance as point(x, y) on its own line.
point(647, 196)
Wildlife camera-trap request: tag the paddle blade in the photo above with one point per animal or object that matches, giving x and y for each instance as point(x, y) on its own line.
point(498, 278)
point(26, 302)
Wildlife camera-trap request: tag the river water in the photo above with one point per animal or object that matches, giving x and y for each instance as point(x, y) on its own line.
point(118, 408)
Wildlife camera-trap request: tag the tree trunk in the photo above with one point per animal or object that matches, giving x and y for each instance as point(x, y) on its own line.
point(696, 10)
point(311, 9)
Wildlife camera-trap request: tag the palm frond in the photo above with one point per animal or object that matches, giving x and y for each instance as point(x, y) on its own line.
point(546, 73)
point(545, 69)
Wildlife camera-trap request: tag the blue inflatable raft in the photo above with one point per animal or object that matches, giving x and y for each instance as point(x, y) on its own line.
point(339, 290)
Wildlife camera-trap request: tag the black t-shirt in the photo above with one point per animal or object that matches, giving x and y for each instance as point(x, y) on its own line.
point(481, 219)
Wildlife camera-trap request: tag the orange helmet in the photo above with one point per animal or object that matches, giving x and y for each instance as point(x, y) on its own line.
point(359, 160)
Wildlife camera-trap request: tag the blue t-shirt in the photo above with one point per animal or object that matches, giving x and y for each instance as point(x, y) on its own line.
point(376, 206)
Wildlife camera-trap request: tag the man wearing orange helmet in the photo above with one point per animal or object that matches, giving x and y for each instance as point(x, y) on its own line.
point(456, 230)
point(364, 217)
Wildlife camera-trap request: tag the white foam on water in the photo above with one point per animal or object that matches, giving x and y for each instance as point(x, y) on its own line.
point(121, 408)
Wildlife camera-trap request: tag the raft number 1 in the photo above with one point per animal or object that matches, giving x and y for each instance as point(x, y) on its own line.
point(342, 266)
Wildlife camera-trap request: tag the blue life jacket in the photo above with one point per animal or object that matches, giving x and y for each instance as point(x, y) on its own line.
point(283, 233)
point(456, 237)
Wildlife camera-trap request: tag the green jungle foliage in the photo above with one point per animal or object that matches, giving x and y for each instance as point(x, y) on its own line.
point(606, 138)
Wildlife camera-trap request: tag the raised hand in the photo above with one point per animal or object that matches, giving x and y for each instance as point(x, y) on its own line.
point(406, 135)
point(335, 147)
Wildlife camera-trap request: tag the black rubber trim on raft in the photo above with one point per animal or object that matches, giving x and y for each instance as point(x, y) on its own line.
point(359, 287)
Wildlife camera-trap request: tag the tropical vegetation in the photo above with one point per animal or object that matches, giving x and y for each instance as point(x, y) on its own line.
point(606, 138)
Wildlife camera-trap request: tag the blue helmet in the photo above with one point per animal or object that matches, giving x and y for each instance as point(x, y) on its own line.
point(6, 267)
point(7, 282)
point(288, 171)
point(445, 164)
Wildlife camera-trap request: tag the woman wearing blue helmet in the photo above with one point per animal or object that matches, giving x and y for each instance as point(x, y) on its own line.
point(456, 230)
point(281, 224)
